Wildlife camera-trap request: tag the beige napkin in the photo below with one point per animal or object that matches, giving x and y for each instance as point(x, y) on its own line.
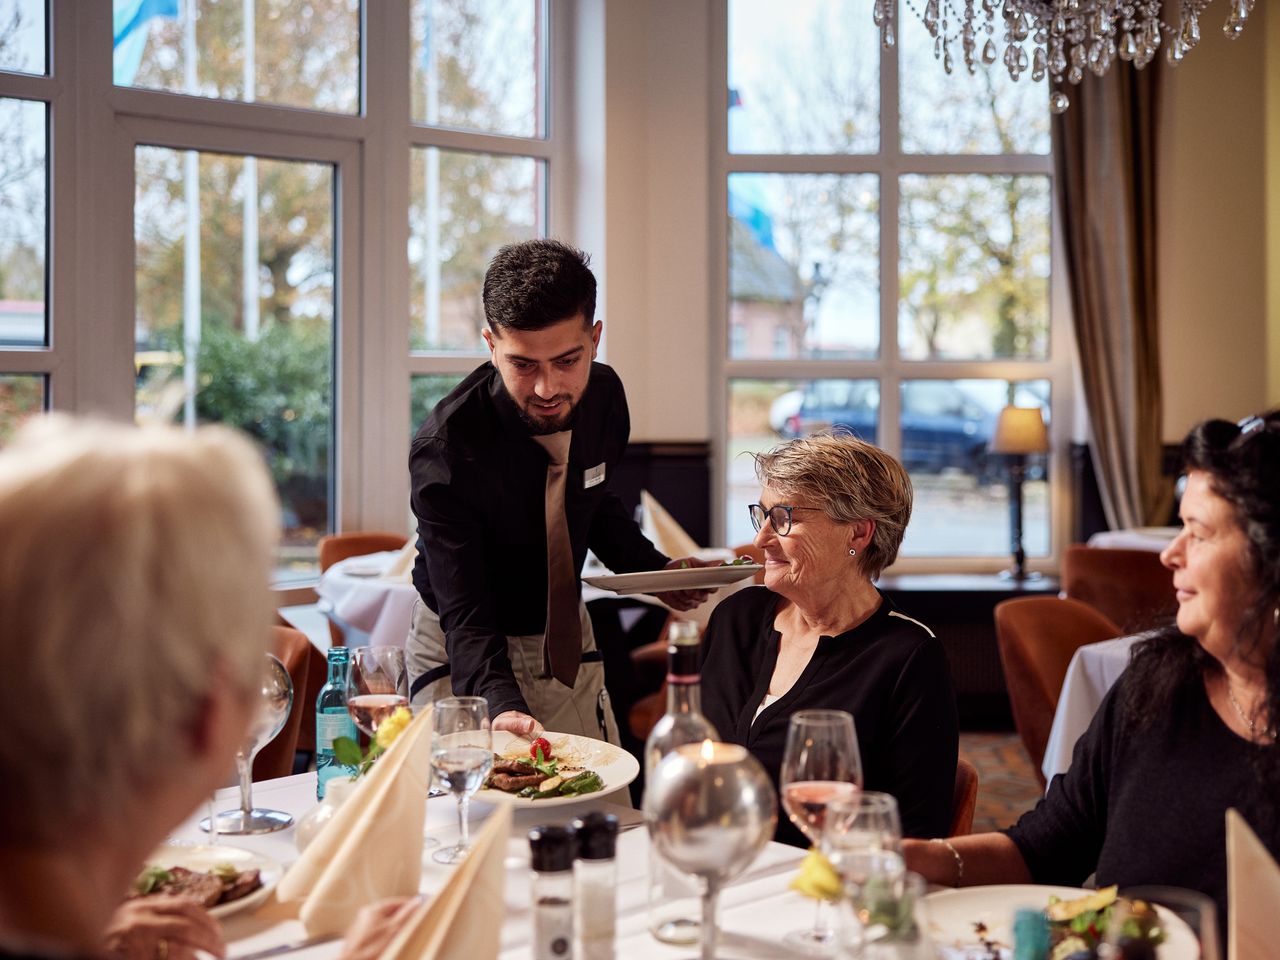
point(464, 918)
point(372, 847)
point(660, 527)
point(1253, 894)
point(402, 565)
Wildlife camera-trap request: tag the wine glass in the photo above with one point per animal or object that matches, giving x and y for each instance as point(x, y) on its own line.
point(461, 757)
point(821, 764)
point(1195, 909)
point(862, 838)
point(710, 808)
point(275, 700)
point(377, 685)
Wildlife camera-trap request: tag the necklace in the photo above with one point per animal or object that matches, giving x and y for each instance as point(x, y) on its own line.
point(1251, 724)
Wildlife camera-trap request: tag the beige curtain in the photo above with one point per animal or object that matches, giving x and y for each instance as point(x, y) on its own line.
point(1105, 163)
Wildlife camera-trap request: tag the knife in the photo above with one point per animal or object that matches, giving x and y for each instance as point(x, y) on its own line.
point(289, 947)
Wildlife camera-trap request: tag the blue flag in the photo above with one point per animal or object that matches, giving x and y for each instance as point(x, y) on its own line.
point(129, 19)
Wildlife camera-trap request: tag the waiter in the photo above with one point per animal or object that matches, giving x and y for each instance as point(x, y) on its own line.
point(510, 485)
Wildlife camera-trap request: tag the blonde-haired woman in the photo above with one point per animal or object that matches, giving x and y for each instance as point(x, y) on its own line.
point(819, 634)
point(134, 614)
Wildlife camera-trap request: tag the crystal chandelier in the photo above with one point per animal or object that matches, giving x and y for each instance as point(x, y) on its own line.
point(1059, 39)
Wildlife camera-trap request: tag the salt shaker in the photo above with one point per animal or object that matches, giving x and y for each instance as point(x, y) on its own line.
point(551, 851)
point(595, 882)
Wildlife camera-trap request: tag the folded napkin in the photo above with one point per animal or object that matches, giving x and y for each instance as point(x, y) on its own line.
point(1253, 892)
point(402, 564)
point(371, 849)
point(660, 527)
point(459, 921)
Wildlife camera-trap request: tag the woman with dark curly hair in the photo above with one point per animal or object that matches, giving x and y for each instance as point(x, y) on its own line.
point(1189, 730)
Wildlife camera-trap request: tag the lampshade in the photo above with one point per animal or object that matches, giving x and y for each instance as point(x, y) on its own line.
point(1020, 430)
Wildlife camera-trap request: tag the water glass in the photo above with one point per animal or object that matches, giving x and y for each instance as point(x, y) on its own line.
point(461, 758)
point(884, 919)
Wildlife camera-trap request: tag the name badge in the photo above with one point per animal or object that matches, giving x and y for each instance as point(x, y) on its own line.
point(593, 476)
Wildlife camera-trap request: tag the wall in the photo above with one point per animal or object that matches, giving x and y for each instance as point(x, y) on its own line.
point(1212, 229)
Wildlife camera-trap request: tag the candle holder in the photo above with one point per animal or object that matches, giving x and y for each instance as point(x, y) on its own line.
point(710, 808)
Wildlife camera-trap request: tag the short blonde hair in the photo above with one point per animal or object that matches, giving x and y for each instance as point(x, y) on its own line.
point(850, 480)
point(133, 562)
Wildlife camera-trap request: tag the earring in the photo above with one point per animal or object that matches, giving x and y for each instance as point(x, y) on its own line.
point(853, 553)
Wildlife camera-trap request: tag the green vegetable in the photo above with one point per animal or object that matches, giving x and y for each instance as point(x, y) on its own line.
point(684, 564)
point(225, 871)
point(586, 782)
point(151, 879)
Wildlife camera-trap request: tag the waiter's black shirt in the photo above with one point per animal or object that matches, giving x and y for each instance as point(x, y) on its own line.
point(478, 488)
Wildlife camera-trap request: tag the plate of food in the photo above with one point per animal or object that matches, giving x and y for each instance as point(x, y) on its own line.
point(976, 923)
point(224, 879)
point(554, 770)
point(686, 578)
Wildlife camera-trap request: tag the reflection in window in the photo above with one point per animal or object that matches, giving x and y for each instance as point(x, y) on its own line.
point(974, 267)
point(803, 77)
point(22, 36)
point(804, 265)
point(961, 490)
point(255, 353)
point(22, 396)
point(479, 65)
point(297, 55)
point(985, 112)
point(23, 223)
point(463, 207)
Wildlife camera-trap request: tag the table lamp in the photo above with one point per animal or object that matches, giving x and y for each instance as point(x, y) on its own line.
point(1019, 431)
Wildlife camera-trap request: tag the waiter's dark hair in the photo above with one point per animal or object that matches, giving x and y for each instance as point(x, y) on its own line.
point(1243, 463)
point(537, 283)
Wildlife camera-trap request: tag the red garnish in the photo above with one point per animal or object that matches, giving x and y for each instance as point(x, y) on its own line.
point(543, 744)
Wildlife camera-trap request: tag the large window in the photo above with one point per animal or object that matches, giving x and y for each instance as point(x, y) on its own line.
point(269, 214)
point(887, 242)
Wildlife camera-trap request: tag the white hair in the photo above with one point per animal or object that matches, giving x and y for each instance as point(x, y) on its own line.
point(133, 562)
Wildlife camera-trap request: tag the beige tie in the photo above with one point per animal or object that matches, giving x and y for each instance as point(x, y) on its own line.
point(563, 644)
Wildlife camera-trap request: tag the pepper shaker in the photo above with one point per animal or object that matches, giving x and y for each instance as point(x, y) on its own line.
point(551, 851)
point(595, 883)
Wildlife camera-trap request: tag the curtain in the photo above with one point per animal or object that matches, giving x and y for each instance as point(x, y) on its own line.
point(1105, 178)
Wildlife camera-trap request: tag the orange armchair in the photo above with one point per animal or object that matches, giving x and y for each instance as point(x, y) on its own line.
point(1131, 587)
point(340, 546)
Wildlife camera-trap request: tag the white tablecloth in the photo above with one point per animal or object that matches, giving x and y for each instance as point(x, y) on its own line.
point(1136, 538)
point(371, 610)
point(756, 910)
point(1092, 671)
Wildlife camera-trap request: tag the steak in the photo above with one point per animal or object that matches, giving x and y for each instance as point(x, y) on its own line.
point(509, 783)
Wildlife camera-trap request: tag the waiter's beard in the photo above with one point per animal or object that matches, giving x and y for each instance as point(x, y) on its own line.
point(541, 426)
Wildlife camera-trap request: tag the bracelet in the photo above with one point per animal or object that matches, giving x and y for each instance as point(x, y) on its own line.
point(955, 853)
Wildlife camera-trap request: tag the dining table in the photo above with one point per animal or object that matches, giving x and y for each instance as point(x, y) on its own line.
point(1091, 673)
point(369, 606)
point(756, 910)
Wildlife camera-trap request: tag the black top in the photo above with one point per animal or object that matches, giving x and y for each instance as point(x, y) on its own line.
point(890, 672)
point(478, 490)
point(1148, 806)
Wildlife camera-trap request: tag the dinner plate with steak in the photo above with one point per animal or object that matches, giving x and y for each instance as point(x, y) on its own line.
point(224, 879)
point(555, 769)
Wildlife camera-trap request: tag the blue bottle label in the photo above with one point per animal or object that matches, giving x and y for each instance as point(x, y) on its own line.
point(331, 723)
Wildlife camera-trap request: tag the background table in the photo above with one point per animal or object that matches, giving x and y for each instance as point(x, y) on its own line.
point(369, 610)
point(1135, 538)
point(1092, 671)
point(756, 910)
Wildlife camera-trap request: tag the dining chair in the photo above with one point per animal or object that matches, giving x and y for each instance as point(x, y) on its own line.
point(337, 547)
point(308, 672)
point(1036, 638)
point(1132, 587)
point(964, 799)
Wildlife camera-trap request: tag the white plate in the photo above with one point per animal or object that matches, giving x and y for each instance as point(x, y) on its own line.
point(951, 915)
point(660, 581)
point(207, 856)
point(364, 569)
point(616, 767)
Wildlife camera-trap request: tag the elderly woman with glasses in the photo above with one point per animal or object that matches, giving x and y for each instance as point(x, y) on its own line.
point(818, 634)
point(1189, 729)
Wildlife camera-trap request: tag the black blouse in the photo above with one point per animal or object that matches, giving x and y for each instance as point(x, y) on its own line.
point(890, 672)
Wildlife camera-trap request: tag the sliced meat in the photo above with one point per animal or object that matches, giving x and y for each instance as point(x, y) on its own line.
point(245, 883)
point(512, 768)
point(204, 888)
point(514, 784)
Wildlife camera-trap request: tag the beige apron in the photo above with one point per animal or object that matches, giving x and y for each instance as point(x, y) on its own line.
point(583, 709)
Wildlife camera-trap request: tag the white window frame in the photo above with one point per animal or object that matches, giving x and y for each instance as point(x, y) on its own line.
point(890, 369)
point(95, 128)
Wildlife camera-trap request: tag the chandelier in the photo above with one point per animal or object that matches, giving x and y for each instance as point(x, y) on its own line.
point(1064, 37)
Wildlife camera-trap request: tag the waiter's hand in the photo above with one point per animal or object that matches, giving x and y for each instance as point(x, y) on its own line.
point(686, 599)
point(521, 724)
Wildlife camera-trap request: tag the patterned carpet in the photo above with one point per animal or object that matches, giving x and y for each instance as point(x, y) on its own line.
point(1007, 786)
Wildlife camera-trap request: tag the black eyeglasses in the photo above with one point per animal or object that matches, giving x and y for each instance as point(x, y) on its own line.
point(779, 516)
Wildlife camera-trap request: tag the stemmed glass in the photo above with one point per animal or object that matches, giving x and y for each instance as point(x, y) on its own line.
point(821, 764)
point(377, 685)
point(461, 757)
point(862, 838)
point(275, 700)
